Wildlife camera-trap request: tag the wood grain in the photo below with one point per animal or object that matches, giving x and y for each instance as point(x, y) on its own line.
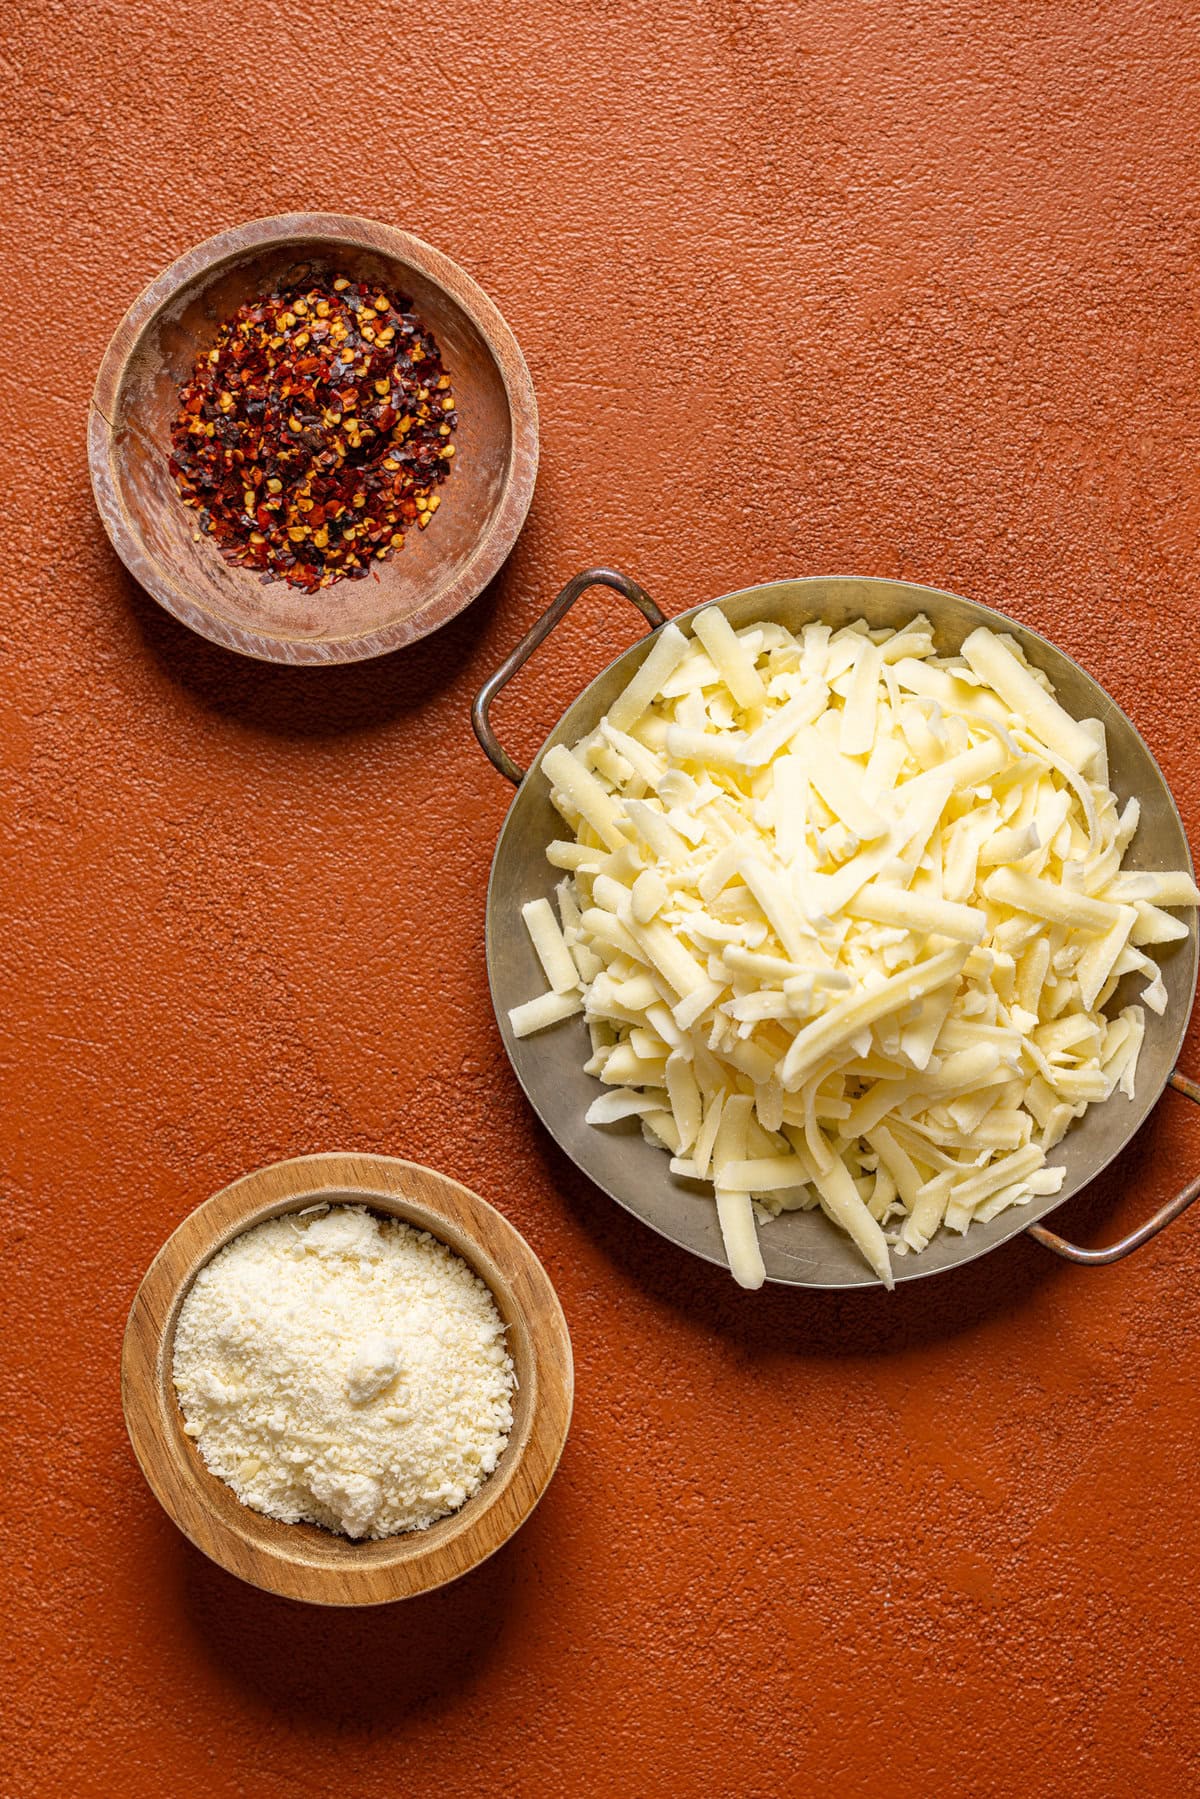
point(302, 1561)
point(438, 572)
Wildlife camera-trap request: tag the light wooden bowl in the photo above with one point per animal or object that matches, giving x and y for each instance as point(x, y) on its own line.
point(438, 572)
point(302, 1561)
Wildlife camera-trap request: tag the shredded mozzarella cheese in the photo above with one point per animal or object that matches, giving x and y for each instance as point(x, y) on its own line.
point(843, 918)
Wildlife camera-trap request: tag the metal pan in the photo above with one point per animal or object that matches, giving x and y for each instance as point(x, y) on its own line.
point(803, 1248)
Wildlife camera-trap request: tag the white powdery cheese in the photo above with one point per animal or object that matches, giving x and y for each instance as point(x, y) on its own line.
point(344, 1369)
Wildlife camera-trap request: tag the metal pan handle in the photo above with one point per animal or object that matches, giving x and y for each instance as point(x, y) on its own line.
point(1099, 1258)
point(496, 754)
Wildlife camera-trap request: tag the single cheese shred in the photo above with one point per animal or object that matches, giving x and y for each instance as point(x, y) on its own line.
point(346, 1370)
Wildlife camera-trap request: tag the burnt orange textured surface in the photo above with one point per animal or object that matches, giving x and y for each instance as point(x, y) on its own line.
point(900, 289)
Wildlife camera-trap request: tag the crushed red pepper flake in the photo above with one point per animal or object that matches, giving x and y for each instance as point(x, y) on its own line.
point(314, 431)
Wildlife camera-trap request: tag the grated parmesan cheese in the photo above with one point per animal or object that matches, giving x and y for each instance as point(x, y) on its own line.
point(346, 1370)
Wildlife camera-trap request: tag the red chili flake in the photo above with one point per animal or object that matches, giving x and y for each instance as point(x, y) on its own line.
point(334, 434)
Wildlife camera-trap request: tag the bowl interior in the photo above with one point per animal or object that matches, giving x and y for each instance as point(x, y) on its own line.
point(432, 565)
point(311, 1543)
point(804, 1248)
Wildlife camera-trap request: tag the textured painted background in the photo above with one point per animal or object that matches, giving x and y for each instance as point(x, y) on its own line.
point(906, 288)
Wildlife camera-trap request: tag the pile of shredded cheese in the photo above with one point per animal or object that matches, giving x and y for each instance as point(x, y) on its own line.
point(344, 1369)
point(843, 917)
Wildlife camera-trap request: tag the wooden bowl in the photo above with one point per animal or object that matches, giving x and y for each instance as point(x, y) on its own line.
point(302, 1561)
point(438, 571)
